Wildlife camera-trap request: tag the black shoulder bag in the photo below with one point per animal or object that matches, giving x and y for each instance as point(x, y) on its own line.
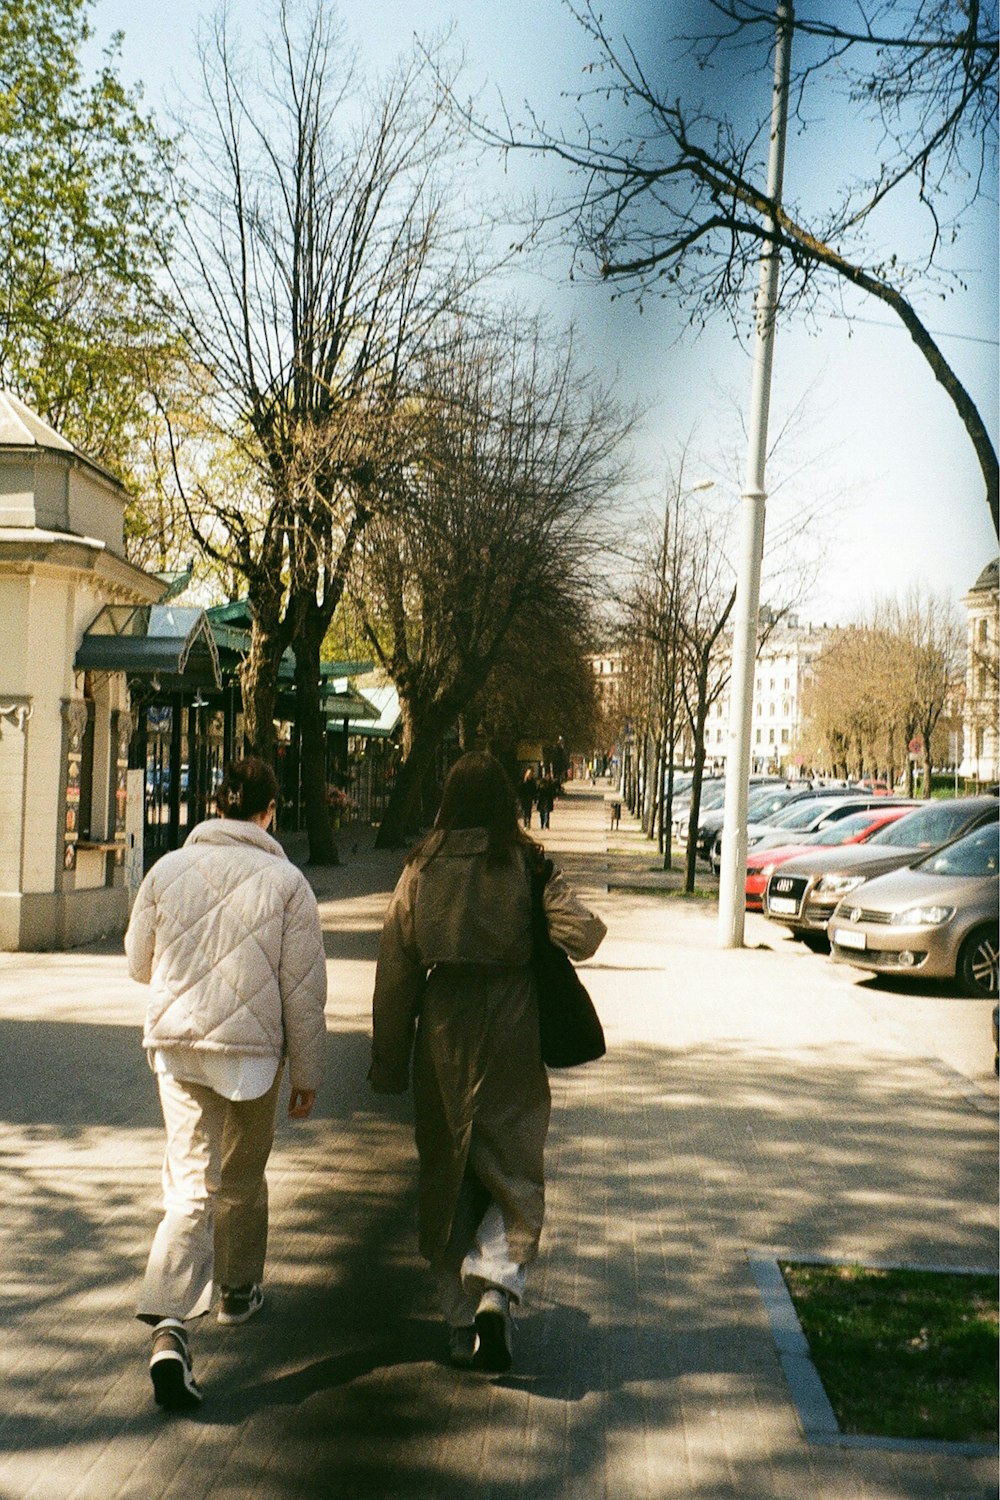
point(568, 1025)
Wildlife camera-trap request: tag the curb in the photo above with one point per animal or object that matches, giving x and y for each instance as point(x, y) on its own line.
point(812, 1405)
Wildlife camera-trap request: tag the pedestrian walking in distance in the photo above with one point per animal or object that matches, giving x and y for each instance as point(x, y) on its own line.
point(526, 792)
point(546, 799)
point(226, 933)
point(454, 987)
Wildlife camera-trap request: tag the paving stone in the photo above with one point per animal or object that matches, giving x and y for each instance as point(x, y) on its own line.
point(751, 1101)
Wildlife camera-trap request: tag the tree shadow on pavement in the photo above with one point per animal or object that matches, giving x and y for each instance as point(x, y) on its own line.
point(642, 1356)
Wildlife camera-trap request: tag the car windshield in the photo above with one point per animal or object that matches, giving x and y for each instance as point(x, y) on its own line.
point(978, 853)
point(764, 803)
point(846, 829)
point(935, 824)
point(713, 796)
point(802, 813)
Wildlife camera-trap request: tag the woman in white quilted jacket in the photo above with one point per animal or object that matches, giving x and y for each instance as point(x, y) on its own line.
point(454, 989)
point(226, 933)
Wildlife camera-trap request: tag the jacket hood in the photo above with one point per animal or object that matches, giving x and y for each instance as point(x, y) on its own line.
point(460, 843)
point(235, 832)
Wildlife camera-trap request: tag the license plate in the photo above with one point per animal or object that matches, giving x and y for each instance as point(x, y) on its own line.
point(783, 904)
point(844, 938)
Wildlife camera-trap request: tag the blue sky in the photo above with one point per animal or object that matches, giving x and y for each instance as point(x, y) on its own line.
point(880, 444)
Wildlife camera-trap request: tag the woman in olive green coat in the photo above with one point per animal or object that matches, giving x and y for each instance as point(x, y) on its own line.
point(454, 988)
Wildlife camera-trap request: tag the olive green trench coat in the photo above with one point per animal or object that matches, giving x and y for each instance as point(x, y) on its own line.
point(454, 990)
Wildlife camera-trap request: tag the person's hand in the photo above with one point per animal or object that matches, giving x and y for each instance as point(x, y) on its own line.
point(300, 1103)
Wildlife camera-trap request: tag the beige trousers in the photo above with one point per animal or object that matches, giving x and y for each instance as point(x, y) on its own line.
point(214, 1226)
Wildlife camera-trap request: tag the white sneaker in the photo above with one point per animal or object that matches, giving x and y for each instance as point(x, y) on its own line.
point(174, 1385)
point(494, 1330)
point(238, 1304)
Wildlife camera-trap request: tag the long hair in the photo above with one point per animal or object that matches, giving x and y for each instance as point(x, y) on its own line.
point(478, 793)
point(248, 787)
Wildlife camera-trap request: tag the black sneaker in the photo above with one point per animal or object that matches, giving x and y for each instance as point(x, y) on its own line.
point(174, 1385)
point(240, 1303)
point(493, 1351)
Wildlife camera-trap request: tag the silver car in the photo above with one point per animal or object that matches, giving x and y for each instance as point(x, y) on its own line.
point(936, 918)
point(803, 892)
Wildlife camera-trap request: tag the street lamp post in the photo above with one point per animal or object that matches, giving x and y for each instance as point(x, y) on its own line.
point(732, 880)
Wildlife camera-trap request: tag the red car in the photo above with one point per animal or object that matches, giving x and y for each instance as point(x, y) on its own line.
point(854, 829)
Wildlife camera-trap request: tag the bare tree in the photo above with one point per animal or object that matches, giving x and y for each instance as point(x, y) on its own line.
point(514, 457)
point(541, 686)
point(932, 641)
point(883, 684)
point(671, 200)
point(318, 260)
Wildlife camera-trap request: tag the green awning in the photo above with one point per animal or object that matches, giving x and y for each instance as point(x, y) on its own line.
point(170, 642)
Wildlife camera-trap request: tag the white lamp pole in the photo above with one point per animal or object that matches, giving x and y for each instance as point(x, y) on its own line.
point(732, 879)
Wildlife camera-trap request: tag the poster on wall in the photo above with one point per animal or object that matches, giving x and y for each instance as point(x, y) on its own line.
point(71, 822)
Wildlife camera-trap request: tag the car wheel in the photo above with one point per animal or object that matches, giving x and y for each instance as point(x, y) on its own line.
point(977, 963)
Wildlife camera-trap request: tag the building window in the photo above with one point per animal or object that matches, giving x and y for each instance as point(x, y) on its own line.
point(984, 631)
point(758, 737)
point(784, 736)
point(770, 736)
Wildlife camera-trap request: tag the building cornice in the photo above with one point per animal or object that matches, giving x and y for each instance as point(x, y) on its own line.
point(27, 549)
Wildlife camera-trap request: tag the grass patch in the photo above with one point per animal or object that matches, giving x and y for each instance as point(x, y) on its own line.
point(665, 893)
point(903, 1354)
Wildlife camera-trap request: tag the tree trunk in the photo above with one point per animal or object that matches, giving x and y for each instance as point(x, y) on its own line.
point(312, 742)
point(698, 729)
point(259, 688)
point(927, 732)
point(668, 804)
point(402, 817)
point(693, 820)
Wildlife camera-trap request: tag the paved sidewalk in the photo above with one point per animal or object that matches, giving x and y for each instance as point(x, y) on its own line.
point(750, 1100)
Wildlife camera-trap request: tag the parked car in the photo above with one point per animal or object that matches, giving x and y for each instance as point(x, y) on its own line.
point(807, 816)
point(762, 807)
point(803, 893)
point(854, 829)
point(935, 918)
point(869, 784)
point(713, 794)
point(761, 803)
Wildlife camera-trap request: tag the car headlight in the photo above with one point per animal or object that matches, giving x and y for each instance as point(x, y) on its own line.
point(766, 870)
point(922, 916)
point(839, 885)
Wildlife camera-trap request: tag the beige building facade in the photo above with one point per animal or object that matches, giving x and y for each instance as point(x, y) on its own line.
point(981, 734)
point(64, 733)
point(782, 672)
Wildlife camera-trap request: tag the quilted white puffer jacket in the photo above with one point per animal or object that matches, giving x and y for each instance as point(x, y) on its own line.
point(226, 932)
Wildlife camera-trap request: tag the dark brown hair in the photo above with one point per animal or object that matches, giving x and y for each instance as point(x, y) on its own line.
point(478, 793)
point(248, 787)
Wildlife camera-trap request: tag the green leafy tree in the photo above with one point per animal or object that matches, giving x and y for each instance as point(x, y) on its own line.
point(83, 232)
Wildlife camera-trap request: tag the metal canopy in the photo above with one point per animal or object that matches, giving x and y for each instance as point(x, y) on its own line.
point(171, 642)
point(348, 705)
